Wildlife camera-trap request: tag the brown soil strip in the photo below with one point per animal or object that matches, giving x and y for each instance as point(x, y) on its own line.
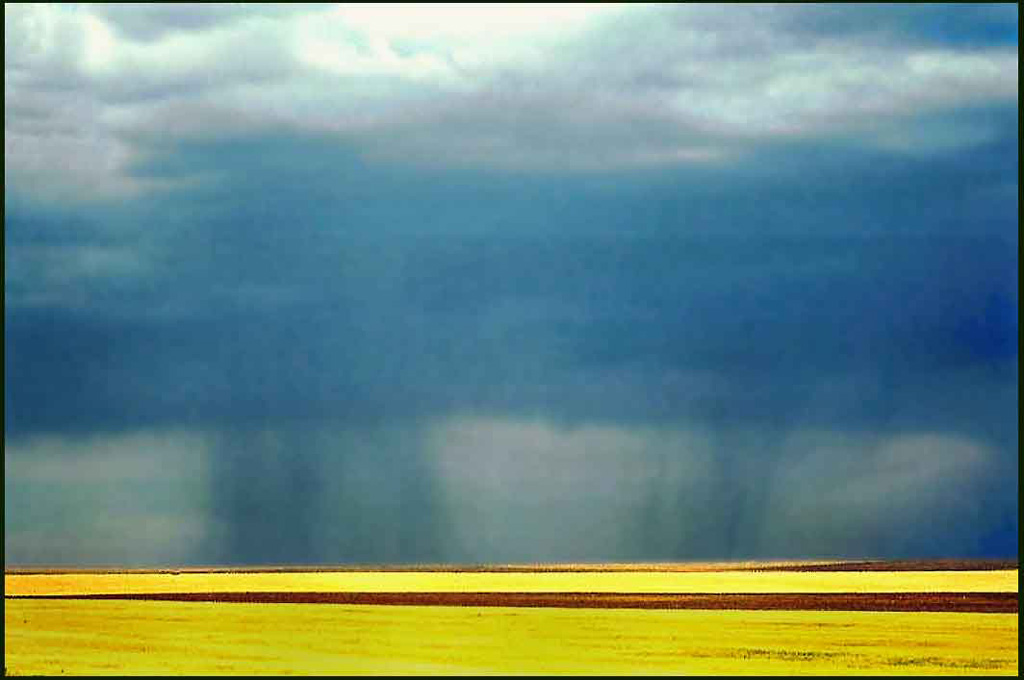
point(893, 602)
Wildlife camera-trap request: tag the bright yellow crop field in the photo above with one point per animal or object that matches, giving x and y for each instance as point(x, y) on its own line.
point(140, 637)
point(554, 582)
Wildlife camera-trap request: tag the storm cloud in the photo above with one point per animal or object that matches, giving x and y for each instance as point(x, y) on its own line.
point(329, 285)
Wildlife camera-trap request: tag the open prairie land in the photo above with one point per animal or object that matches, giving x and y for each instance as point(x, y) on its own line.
point(760, 619)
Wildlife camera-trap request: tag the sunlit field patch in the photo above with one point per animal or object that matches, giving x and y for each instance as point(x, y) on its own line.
point(589, 582)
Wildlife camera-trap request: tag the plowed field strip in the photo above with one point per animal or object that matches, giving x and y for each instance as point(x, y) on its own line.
point(901, 602)
point(899, 565)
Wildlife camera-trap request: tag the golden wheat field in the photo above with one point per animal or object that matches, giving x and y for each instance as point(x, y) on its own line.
point(71, 635)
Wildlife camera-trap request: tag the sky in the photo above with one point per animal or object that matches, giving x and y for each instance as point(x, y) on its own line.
point(342, 284)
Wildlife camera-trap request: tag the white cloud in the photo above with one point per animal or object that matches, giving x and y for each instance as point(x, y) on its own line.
point(840, 494)
point(468, 22)
point(524, 489)
point(99, 44)
point(599, 491)
point(133, 498)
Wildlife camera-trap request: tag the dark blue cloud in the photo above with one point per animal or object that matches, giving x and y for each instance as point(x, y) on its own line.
point(813, 312)
point(949, 24)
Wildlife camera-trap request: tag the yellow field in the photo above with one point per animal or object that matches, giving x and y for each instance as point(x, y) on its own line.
point(148, 637)
point(138, 637)
point(555, 582)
